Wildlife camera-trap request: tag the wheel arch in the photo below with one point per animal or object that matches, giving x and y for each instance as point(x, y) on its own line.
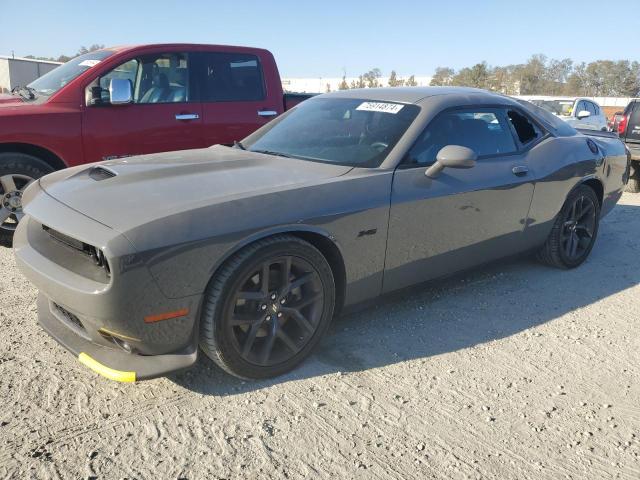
point(47, 156)
point(596, 185)
point(320, 239)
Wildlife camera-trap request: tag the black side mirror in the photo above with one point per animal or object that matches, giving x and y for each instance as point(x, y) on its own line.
point(452, 156)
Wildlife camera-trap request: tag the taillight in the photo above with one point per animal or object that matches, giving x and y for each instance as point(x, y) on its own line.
point(622, 125)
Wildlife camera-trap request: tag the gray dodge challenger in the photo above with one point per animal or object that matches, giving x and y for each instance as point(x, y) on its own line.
point(246, 252)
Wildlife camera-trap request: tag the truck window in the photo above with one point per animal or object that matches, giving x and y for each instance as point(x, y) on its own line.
point(163, 78)
point(228, 77)
point(127, 70)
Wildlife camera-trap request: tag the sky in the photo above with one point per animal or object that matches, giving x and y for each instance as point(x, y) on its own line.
point(328, 38)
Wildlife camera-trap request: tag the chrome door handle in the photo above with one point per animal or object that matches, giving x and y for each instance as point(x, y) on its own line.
point(187, 116)
point(267, 113)
point(520, 170)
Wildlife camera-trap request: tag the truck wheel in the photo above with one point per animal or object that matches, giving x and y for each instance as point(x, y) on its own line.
point(634, 179)
point(267, 308)
point(17, 170)
point(574, 231)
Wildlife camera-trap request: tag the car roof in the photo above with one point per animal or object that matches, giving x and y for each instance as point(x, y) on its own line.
point(416, 95)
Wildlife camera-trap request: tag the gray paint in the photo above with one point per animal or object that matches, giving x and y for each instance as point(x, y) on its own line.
point(168, 221)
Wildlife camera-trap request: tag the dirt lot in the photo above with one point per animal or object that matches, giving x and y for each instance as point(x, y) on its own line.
point(516, 371)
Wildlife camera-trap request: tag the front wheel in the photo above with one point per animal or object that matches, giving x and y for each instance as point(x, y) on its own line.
point(17, 171)
point(574, 231)
point(267, 308)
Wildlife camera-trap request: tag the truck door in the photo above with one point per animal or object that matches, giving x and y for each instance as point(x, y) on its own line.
point(235, 98)
point(633, 124)
point(164, 114)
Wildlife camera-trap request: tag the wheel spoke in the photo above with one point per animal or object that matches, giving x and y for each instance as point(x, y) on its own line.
point(305, 301)
point(286, 272)
point(8, 183)
point(299, 318)
point(264, 278)
point(303, 279)
point(585, 229)
point(585, 211)
point(251, 338)
point(574, 244)
point(4, 214)
point(267, 349)
point(286, 339)
point(19, 215)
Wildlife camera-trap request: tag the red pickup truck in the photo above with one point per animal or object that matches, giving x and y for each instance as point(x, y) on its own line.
point(125, 101)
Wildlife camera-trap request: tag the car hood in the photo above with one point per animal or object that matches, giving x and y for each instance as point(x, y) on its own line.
point(7, 99)
point(130, 192)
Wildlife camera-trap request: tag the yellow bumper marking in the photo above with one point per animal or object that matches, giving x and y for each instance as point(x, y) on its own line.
point(110, 373)
point(119, 335)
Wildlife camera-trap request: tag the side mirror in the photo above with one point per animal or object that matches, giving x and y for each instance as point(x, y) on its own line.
point(452, 156)
point(583, 114)
point(120, 91)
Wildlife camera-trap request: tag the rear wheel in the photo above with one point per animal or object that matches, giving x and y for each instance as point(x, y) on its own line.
point(267, 308)
point(17, 171)
point(634, 178)
point(574, 231)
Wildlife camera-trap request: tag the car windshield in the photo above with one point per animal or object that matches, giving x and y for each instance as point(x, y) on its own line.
point(557, 107)
point(353, 132)
point(58, 77)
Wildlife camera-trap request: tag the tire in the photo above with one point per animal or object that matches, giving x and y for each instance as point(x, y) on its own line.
point(22, 169)
point(634, 179)
point(557, 250)
point(236, 328)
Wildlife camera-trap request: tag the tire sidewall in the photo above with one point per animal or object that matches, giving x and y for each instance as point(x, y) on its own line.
point(223, 344)
point(580, 191)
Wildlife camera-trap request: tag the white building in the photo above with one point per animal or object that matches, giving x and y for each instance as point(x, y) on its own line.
point(16, 71)
point(320, 84)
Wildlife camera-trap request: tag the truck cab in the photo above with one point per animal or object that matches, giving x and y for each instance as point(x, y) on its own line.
point(629, 131)
point(124, 101)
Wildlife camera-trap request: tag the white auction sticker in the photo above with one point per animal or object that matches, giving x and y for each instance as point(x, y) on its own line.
point(380, 107)
point(89, 63)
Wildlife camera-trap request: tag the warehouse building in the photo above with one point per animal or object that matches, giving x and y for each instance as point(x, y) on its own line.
point(16, 71)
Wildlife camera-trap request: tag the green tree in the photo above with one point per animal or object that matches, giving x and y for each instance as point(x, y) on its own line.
point(442, 77)
point(411, 81)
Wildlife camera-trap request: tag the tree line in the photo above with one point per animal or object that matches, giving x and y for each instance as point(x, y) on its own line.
point(543, 76)
point(65, 58)
point(373, 79)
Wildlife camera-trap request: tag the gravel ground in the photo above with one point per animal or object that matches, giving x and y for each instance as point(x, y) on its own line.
point(515, 371)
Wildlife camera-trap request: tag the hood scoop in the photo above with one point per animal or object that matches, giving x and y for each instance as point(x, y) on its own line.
point(101, 173)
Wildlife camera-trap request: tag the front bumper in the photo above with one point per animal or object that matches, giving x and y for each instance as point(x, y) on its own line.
point(103, 319)
point(112, 363)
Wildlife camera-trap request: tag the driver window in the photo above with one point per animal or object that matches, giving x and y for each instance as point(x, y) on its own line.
point(162, 78)
point(484, 131)
point(127, 71)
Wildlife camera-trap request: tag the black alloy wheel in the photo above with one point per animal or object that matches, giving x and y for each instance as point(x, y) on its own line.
point(267, 308)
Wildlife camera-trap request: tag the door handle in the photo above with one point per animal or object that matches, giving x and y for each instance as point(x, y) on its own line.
point(267, 113)
point(187, 116)
point(520, 170)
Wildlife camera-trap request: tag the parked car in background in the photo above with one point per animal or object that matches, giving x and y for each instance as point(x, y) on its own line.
point(580, 113)
point(613, 122)
point(248, 251)
point(628, 129)
point(126, 101)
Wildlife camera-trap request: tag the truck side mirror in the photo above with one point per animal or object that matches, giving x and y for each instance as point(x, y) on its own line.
point(120, 91)
point(452, 156)
point(583, 114)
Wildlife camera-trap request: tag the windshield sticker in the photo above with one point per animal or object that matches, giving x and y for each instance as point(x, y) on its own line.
point(380, 107)
point(89, 63)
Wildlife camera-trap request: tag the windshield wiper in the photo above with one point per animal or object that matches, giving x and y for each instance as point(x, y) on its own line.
point(24, 91)
point(238, 144)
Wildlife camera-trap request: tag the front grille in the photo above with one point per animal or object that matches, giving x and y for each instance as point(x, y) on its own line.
point(69, 317)
point(92, 252)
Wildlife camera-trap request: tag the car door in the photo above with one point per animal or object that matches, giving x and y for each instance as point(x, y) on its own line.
point(164, 115)
point(236, 101)
point(464, 217)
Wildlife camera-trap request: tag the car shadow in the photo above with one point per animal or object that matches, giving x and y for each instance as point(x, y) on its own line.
point(468, 309)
